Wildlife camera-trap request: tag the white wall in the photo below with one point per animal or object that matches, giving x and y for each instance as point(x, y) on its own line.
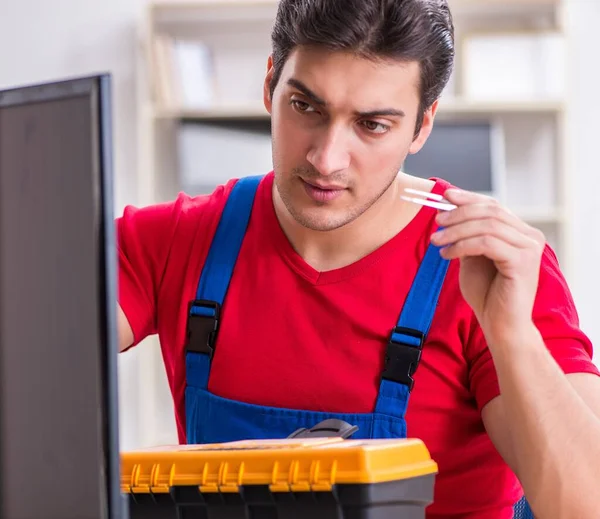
point(584, 160)
point(46, 40)
point(50, 39)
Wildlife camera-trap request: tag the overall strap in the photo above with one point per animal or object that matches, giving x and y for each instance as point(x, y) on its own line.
point(204, 311)
point(404, 347)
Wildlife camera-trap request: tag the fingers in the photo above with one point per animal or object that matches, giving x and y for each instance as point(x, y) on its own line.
point(481, 226)
point(489, 246)
point(474, 206)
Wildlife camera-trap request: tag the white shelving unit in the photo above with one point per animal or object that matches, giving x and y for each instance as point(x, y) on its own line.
point(455, 107)
point(238, 34)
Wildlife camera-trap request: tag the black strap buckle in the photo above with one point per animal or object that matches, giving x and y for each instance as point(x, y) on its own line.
point(402, 360)
point(202, 329)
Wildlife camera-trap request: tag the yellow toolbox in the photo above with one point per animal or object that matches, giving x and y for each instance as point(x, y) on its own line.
point(329, 478)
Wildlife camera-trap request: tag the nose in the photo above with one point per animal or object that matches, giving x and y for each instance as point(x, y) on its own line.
point(330, 151)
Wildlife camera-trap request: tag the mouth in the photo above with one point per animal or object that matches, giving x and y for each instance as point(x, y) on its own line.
point(324, 187)
point(322, 192)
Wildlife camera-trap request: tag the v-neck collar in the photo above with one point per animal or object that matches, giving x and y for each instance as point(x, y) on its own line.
point(313, 276)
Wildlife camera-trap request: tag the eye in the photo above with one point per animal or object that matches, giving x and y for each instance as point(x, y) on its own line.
point(375, 127)
point(301, 106)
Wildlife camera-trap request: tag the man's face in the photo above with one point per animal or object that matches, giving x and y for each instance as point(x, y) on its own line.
point(342, 127)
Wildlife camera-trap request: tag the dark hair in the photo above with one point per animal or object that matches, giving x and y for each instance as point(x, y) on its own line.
point(404, 30)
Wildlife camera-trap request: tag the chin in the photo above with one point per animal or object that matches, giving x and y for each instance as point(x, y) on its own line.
point(321, 219)
point(312, 214)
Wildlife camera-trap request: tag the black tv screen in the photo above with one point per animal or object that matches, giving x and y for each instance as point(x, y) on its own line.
point(59, 456)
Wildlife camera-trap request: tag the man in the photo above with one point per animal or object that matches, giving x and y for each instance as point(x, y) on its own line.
point(314, 289)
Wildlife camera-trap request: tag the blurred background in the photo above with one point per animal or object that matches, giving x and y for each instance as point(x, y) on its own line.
point(518, 120)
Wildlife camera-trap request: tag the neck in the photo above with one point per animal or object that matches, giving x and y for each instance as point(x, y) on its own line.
point(329, 250)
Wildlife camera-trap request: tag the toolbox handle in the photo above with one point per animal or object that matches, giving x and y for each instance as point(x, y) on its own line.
point(326, 429)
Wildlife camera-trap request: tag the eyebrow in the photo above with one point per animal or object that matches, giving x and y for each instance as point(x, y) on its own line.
point(297, 84)
point(306, 91)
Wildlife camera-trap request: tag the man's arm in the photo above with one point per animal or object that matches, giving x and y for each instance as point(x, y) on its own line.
point(546, 426)
point(144, 239)
point(125, 333)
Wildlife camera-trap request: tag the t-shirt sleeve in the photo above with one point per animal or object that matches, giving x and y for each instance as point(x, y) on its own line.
point(144, 239)
point(556, 318)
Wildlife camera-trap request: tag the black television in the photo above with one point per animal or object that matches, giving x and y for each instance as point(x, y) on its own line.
point(59, 452)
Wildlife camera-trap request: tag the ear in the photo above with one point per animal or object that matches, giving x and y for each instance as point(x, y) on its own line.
point(425, 130)
point(267, 86)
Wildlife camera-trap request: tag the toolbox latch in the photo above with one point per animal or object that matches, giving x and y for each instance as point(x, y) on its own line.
point(331, 428)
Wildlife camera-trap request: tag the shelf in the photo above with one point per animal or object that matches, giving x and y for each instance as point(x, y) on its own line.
point(236, 10)
point(213, 11)
point(447, 107)
point(204, 4)
point(459, 5)
point(458, 106)
point(503, 6)
point(245, 112)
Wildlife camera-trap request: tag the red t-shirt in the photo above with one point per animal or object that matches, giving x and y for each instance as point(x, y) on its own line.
point(293, 337)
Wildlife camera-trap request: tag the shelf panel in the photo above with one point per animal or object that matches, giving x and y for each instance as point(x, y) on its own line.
point(458, 106)
point(247, 112)
point(213, 11)
point(208, 4)
point(232, 10)
point(447, 107)
point(459, 5)
point(503, 6)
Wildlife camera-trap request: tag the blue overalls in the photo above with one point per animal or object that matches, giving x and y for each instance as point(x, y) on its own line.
point(213, 419)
